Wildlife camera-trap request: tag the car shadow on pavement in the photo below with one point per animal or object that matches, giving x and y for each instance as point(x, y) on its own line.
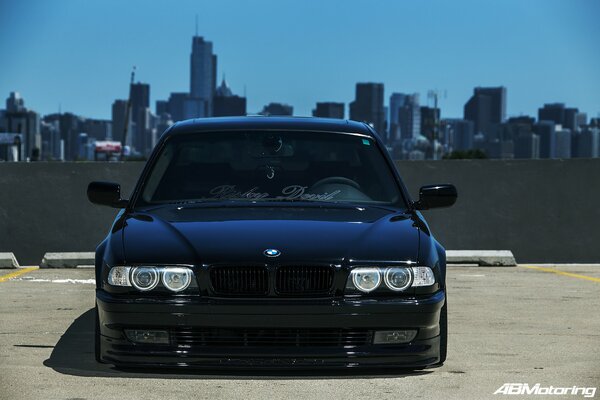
point(74, 355)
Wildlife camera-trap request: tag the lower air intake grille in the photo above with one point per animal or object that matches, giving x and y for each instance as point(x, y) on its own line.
point(239, 337)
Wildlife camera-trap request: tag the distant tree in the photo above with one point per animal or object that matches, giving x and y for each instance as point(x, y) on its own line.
point(467, 154)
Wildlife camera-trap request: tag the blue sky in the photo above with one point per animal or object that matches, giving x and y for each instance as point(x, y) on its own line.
point(78, 54)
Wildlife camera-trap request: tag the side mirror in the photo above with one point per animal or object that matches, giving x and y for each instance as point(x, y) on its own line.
point(106, 194)
point(436, 196)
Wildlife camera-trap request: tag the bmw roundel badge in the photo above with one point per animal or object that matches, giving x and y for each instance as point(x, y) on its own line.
point(272, 253)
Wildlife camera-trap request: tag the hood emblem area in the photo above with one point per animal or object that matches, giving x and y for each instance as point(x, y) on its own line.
point(272, 253)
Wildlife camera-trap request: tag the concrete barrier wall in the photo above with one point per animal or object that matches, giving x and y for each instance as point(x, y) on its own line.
point(542, 210)
point(44, 206)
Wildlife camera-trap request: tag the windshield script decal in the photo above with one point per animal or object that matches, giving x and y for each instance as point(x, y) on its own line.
point(292, 192)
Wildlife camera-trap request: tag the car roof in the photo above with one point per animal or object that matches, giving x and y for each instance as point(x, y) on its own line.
point(269, 123)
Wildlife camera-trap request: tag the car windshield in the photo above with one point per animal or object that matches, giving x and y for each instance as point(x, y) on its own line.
point(270, 166)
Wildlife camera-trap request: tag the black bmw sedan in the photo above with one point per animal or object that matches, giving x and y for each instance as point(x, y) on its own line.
point(270, 242)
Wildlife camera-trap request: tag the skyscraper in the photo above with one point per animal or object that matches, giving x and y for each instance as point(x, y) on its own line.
point(277, 109)
point(568, 117)
point(527, 145)
point(140, 115)
point(203, 76)
point(98, 129)
point(329, 110)
point(405, 117)
point(18, 119)
point(546, 130)
point(588, 143)
point(119, 109)
point(225, 103)
point(554, 112)
point(430, 118)
point(486, 108)
point(368, 106)
point(563, 143)
point(458, 134)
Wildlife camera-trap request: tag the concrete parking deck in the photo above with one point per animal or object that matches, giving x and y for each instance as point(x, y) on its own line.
point(529, 324)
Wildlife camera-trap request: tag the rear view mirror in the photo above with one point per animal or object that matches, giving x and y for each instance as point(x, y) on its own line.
point(106, 194)
point(436, 196)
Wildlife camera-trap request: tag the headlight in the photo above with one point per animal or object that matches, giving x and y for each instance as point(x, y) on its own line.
point(176, 279)
point(397, 278)
point(366, 279)
point(144, 278)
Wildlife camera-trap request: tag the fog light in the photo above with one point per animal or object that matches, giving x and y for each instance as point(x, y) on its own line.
point(147, 337)
point(176, 279)
point(394, 337)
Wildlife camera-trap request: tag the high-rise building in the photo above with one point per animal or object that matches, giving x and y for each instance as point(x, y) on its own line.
point(527, 145)
point(70, 126)
point(487, 109)
point(458, 134)
point(11, 146)
point(141, 116)
point(563, 142)
point(405, 117)
point(162, 106)
point(15, 103)
point(20, 120)
point(516, 127)
point(176, 106)
point(368, 106)
point(98, 129)
point(51, 141)
point(587, 144)
point(163, 123)
point(329, 110)
point(203, 76)
point(554, 112)
point(226, 104)
point(119, 109)
point(397, 100)
point(546, 130)
point(430, 118)
point(409, 118)
point(277, 109)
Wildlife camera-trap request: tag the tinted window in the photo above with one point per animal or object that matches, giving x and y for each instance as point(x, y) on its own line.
point(268, 166)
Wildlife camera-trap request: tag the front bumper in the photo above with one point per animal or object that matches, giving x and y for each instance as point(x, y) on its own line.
point(117, 313)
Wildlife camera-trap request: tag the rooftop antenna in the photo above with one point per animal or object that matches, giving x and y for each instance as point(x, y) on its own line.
point(196, 24)
point(127, 113)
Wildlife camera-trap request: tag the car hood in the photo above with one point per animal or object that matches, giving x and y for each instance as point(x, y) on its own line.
point(207, 235)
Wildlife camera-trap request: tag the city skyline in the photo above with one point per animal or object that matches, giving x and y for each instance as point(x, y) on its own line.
point(569, 77)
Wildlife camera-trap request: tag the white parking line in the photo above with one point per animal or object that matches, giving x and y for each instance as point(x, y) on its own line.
point(79, 281)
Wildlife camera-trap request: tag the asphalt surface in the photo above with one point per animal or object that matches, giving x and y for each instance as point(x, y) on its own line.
point(520, 324)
